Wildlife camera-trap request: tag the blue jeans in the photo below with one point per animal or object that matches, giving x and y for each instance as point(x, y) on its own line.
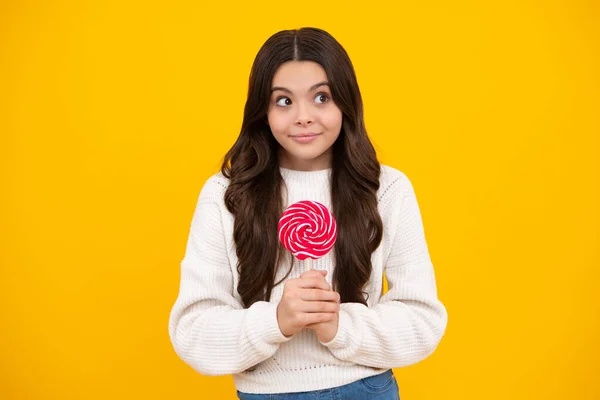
point(379, 387)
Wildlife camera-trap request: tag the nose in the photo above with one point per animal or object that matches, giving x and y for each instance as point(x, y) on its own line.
point(303, 118)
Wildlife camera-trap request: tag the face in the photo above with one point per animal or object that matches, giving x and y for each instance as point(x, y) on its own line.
point(302, 116)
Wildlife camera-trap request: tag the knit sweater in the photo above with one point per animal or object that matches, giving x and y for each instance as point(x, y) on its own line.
point(213, 333)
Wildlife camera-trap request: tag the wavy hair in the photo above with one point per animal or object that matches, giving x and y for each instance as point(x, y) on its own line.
point(254, 195)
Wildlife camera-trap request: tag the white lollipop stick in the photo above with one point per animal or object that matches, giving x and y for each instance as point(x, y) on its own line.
point(308, 264)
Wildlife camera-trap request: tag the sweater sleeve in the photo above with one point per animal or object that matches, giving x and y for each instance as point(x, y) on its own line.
point(209, 328)
point(409, 321)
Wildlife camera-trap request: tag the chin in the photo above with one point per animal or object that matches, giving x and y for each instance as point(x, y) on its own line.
point(306, 155)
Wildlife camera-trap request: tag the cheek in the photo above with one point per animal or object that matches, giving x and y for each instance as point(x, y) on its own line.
point(333, 120)
point(278, 123)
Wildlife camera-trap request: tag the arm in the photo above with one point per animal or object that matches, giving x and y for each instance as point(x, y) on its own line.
point(409, 321)
point(209, 328)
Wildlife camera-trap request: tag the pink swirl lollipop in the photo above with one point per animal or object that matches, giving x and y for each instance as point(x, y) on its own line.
point(308, 230)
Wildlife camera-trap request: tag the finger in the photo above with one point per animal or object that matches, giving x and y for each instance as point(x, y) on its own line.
point(319, 307)
point(314, 273)
point(314, 326)
point(313, 283)
point(316, 318)
point(319, 295)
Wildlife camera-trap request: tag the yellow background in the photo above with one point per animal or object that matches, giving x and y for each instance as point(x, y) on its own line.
point(113, 114)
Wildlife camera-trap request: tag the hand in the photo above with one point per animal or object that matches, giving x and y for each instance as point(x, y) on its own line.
point(306, 300)
point(327, 330)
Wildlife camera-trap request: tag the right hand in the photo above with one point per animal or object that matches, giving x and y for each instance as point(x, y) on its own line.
point(306, 300)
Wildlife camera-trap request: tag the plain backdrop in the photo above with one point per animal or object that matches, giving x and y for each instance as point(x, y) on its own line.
point(114, 113)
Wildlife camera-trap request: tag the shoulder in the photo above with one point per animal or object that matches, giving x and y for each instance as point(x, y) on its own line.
point(213, 189)
point(393, 184)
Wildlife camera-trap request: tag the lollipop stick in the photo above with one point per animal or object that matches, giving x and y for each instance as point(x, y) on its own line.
point(308, 264)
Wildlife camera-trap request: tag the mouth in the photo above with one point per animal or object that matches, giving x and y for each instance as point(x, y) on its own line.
point(304, 137)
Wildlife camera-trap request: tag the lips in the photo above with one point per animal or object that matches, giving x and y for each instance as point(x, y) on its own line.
point(305, 135)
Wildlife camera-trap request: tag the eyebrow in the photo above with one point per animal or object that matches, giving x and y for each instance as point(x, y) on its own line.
point(313, 87)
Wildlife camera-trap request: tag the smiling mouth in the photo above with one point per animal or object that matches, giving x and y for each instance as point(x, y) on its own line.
point(305, 138)
point(302, 135)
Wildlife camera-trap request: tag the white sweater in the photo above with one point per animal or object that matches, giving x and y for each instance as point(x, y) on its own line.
point(213, 333)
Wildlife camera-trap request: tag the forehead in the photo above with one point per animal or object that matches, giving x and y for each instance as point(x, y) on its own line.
point(299, 75)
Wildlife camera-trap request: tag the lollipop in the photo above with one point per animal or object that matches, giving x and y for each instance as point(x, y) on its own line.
point(308, 230)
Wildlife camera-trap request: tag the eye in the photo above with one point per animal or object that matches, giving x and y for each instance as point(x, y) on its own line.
point(285, 103)
point(324, 97)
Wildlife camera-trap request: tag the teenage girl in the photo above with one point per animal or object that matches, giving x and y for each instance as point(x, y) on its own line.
point(245, 306)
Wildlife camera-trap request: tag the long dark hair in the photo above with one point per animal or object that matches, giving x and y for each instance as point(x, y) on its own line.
point(254, 195)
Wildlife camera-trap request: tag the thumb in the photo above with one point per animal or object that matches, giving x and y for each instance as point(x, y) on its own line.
point(313, 272)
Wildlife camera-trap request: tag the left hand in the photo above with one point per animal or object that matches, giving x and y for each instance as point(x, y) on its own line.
point(325, 331)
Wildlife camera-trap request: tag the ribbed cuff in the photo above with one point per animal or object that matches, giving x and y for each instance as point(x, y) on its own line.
point(264, 322)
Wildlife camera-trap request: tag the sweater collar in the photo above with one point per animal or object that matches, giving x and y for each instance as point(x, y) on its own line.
point(306, 179)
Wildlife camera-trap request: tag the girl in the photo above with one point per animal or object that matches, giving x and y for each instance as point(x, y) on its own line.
point(244, 307)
